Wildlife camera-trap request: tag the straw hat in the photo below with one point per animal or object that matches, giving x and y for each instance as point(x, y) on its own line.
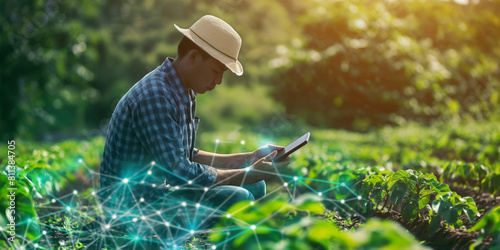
point(218, 39)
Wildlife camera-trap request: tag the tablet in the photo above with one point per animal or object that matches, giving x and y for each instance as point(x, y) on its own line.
point(290, 148)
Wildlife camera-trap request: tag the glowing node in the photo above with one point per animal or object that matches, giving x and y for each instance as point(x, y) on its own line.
point(183, 203)
point(107, 226)
point(205, 189)
point(247, 169)
point(134, 219)
point(167, 224)
point(136, 237)
point(242, 143)
point(44, 232)
point(343, 184)
point(228, 215)
point(153, 163)
point(62, 243)
point(149, 172)
point(143, 217)
point(190, 182)
point(154, 185)
point(142, 181)
point(320, 194)
point(114, 216)
point(80, 160)
point(342, 201)
point(252, 203)
point(359, 197)
point(253, 227)
point(217, 140)
point(158, 212)
point(75, 192)
point(285, 184)
point(125, 180)
point(168, 185)
point(68, 208)
point(93, 193)
point(141, 200)
point(176, 187)
point(197, 205)
point(295, 178)
point(53, 201)
point(214, 247)
point(36, 245)
point(191, 232)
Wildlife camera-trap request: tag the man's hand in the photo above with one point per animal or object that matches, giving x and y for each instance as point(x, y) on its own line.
point(265, 168)
point(262, 169)
point(264, 151)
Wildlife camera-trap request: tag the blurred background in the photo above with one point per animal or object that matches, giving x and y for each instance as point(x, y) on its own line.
point(354, 65)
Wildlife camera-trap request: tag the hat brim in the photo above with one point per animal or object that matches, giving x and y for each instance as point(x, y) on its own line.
point(232, 64)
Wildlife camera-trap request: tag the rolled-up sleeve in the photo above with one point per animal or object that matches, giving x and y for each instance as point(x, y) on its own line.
point(155, 125)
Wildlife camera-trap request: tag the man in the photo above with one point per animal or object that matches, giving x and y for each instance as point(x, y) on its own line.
point(150, 167)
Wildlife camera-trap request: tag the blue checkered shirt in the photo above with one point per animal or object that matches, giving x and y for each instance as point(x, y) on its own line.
point(151, 135)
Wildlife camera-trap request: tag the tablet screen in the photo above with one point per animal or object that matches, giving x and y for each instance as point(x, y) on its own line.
point(290, 148)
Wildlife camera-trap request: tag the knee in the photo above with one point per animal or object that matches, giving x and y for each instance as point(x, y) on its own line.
point(241, 194)
point(258, 189)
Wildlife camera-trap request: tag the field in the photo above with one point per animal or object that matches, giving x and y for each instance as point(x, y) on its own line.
point(409, 187)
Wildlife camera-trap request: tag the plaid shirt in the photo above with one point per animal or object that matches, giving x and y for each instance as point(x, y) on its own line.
point(151, 137)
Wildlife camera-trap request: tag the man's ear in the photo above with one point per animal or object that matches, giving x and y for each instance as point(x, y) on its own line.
point(194, 56)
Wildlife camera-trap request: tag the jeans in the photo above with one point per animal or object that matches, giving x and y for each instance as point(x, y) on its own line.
point(223, 197)
point(187, 210)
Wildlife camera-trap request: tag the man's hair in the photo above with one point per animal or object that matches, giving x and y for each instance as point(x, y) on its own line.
point(187, 45)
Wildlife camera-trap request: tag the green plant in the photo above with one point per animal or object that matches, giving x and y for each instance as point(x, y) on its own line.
point(489, 224)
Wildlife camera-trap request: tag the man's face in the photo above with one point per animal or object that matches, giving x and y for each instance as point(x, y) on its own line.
point(206, 75)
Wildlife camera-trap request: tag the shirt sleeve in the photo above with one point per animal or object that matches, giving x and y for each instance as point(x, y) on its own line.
point(161, 134)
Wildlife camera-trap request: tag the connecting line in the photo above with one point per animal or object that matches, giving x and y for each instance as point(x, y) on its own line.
point(243, 208)
point(308, 187)
point(350, 190)
point(235, 236)
point(257, 239)
point(215, 151)
point(282, 181)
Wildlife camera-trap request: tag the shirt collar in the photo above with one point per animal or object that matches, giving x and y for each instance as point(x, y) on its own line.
point(186, 95)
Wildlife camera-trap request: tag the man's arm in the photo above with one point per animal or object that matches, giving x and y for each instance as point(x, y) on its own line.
point(233, 161)
point(224, 161)
point(263, 169)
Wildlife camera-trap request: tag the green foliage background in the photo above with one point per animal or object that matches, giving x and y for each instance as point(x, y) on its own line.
point(350, 64)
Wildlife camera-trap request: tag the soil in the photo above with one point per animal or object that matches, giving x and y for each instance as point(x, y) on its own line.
point(444, 238)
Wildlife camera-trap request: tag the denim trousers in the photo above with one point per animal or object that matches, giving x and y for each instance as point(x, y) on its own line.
point(186, 211)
